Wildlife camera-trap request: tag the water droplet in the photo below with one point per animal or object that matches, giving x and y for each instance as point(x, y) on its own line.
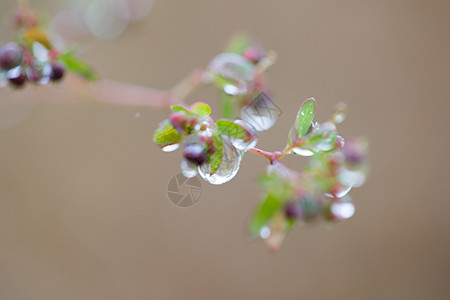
point(264, 232)
point(262, 112)
point(339, 191)
point(231, 89)
point(340, 114)
point(340, 142)
point(228, 168)
point(14, 73)
point(302, 152)
point(40, 52)
point(235, 68)
point(343, 210)
point(354, 178)
point(137, 115)
point(170, 148)
point(3, 79)
point(106, 19)
point(188, 169)
point(242, 145)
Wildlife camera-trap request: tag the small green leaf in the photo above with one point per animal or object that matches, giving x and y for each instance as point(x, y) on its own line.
point(234, 130)
point(75, 65)
point(227, 105)
point(277, 186)
point(215, 159)
point(200, 108)
point(238, 44)
point(290, 222)
point(305, 116)
point(166, 134)
point(176, 108)
point(265, 211)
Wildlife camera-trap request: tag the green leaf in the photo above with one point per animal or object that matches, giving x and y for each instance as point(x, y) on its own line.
point(215, 159)
point(166, 134)
point(200, 108)
point(227, 105)
point(238, 44)
point(265, 211)
point(231, 129)
point(290, 222)
point(305, 117)
point(277, 186)
point(176, 108)
point(75, 65)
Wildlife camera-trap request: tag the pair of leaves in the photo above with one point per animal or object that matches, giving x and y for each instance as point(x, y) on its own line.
point(198, 108)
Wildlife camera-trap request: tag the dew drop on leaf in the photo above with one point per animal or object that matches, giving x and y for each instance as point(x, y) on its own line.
point(170, 148)
point(343, 210)
point(339, 191)
point(241, 144)
point(264, 233)
point(188, 169)
point(228, 168)
point(262, 113)
point(354, 178)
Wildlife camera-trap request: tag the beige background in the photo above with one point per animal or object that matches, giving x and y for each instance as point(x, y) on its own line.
point(83, 206)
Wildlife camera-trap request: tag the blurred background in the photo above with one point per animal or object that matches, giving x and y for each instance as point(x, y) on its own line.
point(83, 207)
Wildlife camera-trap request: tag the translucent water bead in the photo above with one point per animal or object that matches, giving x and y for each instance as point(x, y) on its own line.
point(228, 168)
point(235, 68)
point(343, 210)
point(354, 178)
point(170, 148)
point(3, 79)
point(339, 191)
point(327, 142)
point(242, 145)
point(188, 170)
point(262, 112)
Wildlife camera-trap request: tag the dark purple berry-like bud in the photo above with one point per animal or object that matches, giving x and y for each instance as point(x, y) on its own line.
point(195, 154)
point(18, 81)
point(57, 72)
point(292, 210)
point(10, 56)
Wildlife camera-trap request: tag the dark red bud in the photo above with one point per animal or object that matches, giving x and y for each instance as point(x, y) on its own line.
point(195, 154)
point(292, 210)
point(18, 81)
point(57, 72)
point(10, 56)
point(178, 121)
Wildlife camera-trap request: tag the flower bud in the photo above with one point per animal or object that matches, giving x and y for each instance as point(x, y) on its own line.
point(194, 153)
point(57, 72)
point(10, 56)
point(292, 210)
